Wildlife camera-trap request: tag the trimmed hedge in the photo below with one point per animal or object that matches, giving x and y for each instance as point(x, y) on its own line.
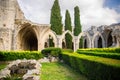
point(101, 54)
point(14, 55)
point(109, 50)
point(94, 67)
point(51, 51)
point(67, 50)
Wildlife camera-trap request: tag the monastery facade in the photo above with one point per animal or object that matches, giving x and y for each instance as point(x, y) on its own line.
point(18, 33)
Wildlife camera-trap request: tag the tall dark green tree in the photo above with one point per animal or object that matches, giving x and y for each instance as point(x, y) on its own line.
point(68, 21)
point(68, 37)
point(78, 27)
point(77, 23)
point(56, 19)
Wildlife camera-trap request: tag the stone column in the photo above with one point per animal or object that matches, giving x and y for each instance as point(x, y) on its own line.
point(59, 41)
point(76, 43)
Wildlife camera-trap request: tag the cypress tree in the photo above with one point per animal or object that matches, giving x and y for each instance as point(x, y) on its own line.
point(56, 19)
point(68, 37)
point(78, 27)
point(68, 21)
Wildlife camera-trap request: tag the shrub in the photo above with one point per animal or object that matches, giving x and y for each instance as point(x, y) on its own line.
point(14, 55)
point(67, 50)
point(94, 67)
point(108, 50)
point(101, 54)
point(51, 51)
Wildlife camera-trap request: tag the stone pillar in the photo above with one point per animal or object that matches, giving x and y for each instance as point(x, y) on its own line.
point(92, 43)
point(76, 43)
point(59, 41)
point(118, 41)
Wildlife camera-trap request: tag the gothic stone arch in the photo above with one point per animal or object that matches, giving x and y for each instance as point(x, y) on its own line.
point(63, 37)
point(88, 39)
point(97, 36)
point(52, 34)
point(27, 38)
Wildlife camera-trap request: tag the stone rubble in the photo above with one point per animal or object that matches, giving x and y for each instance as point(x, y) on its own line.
point(29, 68)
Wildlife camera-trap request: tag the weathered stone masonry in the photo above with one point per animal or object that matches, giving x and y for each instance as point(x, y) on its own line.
point(18, 33)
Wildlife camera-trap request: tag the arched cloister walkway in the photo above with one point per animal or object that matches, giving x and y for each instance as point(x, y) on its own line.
point(62, 39)
point(87, 40)
point(98, 41)
point(27, 38)
point(49, 35)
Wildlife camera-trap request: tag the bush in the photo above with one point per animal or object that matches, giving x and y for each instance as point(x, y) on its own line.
point(95, 68)
point(51, 51)
point(108, 50)
point(101, 54)
point(67, 50)
point(14, 55)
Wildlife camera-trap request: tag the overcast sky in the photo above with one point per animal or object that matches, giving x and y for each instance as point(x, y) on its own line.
point(93, 12)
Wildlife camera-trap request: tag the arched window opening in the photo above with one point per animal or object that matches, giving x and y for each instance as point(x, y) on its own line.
point(63, 45)
point(49, 42)
point(68, 41)
point(46, 45)
point(99, 42)
point(28, 40)
point(109, 40)
point(81, 42)
point(85, 43)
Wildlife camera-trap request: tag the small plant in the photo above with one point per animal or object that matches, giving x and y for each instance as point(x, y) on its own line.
point(12, 78)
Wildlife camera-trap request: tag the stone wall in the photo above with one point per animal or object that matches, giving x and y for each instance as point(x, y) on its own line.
point(15, 32)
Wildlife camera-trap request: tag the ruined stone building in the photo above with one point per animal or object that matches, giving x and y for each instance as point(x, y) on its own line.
point(18, 33)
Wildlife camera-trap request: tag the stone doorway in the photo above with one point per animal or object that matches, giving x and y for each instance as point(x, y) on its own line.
point(28, 39)
point(85, 43)
point(99, 42)
point(109, 40)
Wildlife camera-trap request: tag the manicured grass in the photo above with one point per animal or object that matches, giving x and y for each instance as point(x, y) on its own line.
point(2, 65)
point(59, 71)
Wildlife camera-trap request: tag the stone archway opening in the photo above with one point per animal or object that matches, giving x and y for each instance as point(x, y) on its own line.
point(68, 43)
point(49, 42)
point(63, 44)
point(109, 40)
point(85, 43)
point(28, 39)
point(100, 42)
point(81, 42)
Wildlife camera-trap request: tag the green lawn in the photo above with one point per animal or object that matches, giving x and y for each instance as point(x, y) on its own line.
point(59, 71)
point(2, 65)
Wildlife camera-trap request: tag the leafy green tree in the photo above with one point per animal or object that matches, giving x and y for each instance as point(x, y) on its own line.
point(68, 37)
point(56, 19)
point(78, 27)
point(68, 21)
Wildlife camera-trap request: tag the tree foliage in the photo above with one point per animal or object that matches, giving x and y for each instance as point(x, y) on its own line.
point(68, 37)
point(78, 27)
point(68, 21)
point(56, 19)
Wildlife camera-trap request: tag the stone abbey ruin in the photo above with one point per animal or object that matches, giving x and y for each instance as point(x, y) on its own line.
point(18, 33)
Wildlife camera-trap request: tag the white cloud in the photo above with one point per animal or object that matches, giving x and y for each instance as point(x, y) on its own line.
point(92, 12)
